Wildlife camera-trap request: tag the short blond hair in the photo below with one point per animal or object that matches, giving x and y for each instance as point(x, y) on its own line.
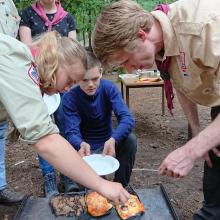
point(117, 27)
point(55, 51)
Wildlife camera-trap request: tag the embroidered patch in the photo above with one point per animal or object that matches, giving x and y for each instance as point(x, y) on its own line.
point(32, 72)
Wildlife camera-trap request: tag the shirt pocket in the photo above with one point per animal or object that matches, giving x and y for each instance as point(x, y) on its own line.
point(189, 28)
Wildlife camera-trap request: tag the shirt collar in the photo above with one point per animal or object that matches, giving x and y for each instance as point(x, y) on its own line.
point(169, 36)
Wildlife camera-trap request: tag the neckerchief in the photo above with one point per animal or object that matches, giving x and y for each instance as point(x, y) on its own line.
point(59, 15)
point(163, 67)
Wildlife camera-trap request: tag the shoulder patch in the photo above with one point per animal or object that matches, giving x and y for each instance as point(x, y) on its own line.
point(33, 74)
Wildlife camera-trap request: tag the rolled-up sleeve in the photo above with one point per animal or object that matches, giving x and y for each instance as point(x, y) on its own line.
point(20, 94)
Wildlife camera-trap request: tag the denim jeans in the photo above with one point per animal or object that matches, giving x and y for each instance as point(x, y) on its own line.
point(3, 128)
point(58, 117)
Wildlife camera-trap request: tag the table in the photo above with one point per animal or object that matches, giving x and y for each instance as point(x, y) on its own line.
point(131, 82)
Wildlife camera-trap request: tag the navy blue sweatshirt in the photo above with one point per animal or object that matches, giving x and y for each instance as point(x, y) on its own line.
point(89, 118)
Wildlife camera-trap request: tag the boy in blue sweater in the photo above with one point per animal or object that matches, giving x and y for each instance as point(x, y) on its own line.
point(88, 121)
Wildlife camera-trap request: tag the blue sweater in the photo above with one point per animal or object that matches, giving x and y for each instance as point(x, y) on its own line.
point(89, 118)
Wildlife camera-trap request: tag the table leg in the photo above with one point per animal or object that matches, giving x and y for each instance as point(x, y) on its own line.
point(163, 105)
point(122, 90)
point(127, 95)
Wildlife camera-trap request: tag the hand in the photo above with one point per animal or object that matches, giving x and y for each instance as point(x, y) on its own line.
point(84, 149)
point(178, 163)
point(207, 157)
point(109, 147)
point(113, 191)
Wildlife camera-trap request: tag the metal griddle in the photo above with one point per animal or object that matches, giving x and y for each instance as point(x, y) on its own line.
point(155, 199)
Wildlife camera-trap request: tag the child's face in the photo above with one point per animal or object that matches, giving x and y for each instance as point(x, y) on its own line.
point(142, 56)
point(91, 81)
point(67, 76)
point(47, 2)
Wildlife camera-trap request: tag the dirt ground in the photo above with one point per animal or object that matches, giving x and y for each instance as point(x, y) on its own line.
point(157, 136)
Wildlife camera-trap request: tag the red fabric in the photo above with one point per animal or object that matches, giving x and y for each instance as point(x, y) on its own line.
point(163, 67)
point(34, 51)
point(60, 14)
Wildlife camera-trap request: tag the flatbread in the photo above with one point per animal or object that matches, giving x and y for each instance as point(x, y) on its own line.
point(131, 208)
point(97, 205)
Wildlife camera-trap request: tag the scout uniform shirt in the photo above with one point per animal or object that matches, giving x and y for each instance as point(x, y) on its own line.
point(20, 93)
point(191, 33)
point(9, 18)
point(9, 23)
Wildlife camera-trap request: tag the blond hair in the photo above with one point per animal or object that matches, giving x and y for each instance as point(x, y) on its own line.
point(55, 51)
point(117, 28)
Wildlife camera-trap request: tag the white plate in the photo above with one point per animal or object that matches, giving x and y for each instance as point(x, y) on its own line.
point(52, 102)
point(102, 164)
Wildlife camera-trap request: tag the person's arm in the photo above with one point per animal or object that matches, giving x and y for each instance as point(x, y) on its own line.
point(179, 162)
point(124, 118)
point(58, 152)
point(191, 112)
point(25, 26)
point(25, 35)
point(72, 34)
point(122, 113)
point(72, 120)
point(71, 26)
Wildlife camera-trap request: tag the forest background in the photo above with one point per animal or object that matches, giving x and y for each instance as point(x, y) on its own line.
point(86, 11)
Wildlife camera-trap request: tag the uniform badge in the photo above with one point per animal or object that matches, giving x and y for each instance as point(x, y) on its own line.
point(32, 72)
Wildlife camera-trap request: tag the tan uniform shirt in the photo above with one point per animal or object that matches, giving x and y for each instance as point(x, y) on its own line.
point(20, 93)
point(191, 34)
point(9, 18)
point(9, 24)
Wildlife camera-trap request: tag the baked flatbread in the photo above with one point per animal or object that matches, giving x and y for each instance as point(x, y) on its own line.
point(131, 208)
point(97, 205)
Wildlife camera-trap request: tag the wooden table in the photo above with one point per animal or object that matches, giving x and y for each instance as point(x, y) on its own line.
point(129, 83)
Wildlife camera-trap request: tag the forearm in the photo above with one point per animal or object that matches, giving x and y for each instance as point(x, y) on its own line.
point(190, 111)
point(57, 151)
point(25, 35)
point(206, 139)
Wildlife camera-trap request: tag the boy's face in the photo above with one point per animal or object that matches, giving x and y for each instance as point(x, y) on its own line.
point(91, 81)
point(67, 76)
point(142, 56)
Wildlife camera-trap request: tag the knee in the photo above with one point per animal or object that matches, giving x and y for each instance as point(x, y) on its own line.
point(131, 143)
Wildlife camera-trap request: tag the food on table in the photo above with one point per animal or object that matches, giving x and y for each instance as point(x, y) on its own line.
point(97, 205)
point(131, 208)
point(149, 79)
point(67, 205)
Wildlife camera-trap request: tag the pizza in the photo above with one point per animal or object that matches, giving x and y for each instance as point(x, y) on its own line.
point(131, 208)
point(97, 205)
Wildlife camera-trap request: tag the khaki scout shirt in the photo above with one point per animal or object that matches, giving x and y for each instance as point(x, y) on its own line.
point(9, 24)
point(9, 18)
point(20, 93)
point(191, 34)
